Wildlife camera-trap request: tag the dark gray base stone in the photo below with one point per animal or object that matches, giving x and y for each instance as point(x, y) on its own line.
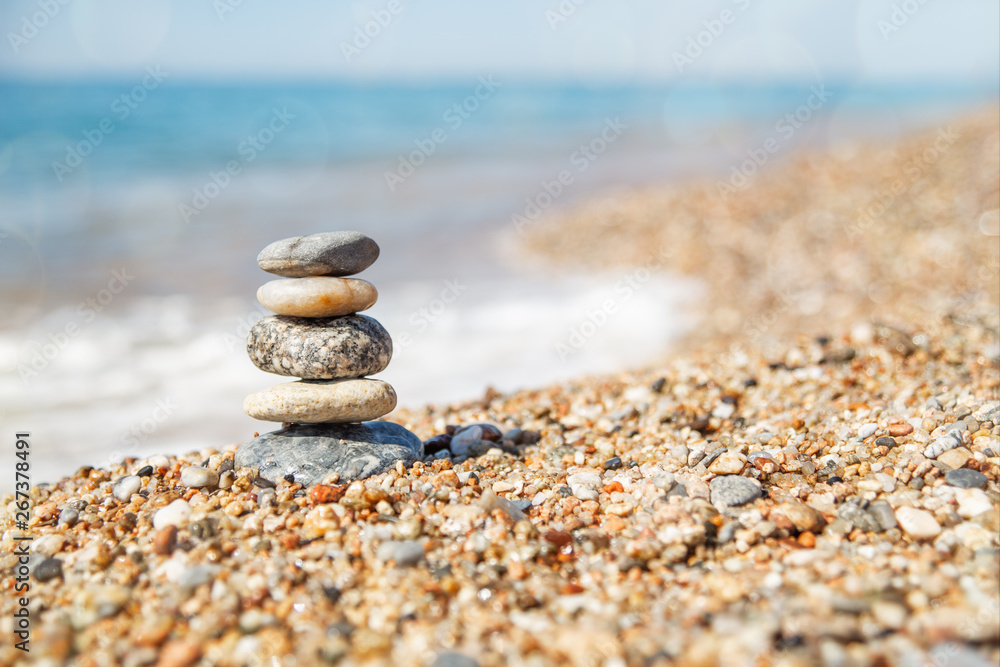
point(310, 452)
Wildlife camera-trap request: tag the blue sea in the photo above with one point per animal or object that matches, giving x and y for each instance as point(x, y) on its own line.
point(131, 213)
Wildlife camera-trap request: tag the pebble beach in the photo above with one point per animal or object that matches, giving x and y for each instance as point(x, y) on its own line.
point(812, 478)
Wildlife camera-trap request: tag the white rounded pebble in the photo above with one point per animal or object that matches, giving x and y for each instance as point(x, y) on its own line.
point(197, 477)
point(174, 514)
point(584, 492)
point(918, 524)
point(729, 463)
point(158, 461)
point(972, 502)
point(867, 430)
point(125, 487)
point(584, 478)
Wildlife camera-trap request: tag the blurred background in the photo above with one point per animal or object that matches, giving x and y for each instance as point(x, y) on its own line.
point(149, 150)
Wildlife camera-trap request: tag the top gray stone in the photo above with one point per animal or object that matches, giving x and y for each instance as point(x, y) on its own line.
point(325, 254)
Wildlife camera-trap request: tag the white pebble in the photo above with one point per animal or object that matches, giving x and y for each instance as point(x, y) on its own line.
point(174, 514)
point(584, 492)
point(942, 445)
point(917, 524)
point(867, 430)
point(972, 502)
point(197, 477)
point(584, 478)
point(125, 487)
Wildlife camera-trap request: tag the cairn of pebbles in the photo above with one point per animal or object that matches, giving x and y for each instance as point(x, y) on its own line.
point(318, 336)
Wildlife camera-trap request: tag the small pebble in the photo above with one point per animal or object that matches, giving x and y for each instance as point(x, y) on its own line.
point(885, 441)
point(867, 430)
point(729, 463)
point(125, 487)
point(403, 553)
point(68, 517)
point(733, 490)
point(193, 576)
point(918, 524)
point(174, 514)
point(881, 511)
point(145, 471)
point(165, 540)
point(197, 477)
point(47, 569)
point(964, 478)
point(614, 463)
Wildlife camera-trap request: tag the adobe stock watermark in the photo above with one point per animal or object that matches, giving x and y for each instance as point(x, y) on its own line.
point(121, 108)
point(899, 17)
point(786, 127)
point(562, 12)
point(139, 432)
point(370, 30)
point(579, 161)
point(702, 40)
point(238, 340)
point(248, 149)
point(224, 7)
point(454, 116)
point(913, 169)
point(624, 290)
point(41, 353)
point(422, 319)
point(30, 25)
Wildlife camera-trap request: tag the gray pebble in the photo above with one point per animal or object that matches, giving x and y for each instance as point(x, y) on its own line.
point(404, 553)
point(68, 517)
point(319, 348)
point(522, 504)
point(50, 568)
point(313, 451)
point(325, 254)
point(679, 452)
point(727, 532)
point(468, 438)
point(882, 512)
point(859, 517)
point(964, 478)
point(197, 477)
point(733, 490)
point(266, 498)
point(452, 659)
point(885, 441)
point(707, 461)
point(125, 487)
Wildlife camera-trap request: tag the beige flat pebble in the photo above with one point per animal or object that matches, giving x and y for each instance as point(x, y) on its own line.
point(318, 296)
point(918, 524)
point(312, 402)
point(730, 463)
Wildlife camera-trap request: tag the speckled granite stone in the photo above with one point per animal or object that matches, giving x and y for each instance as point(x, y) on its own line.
point(322, 401)
point(352, 346)
point(310, 452)
point(325, 254)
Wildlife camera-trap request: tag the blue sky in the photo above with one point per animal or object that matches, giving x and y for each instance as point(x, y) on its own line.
point(441, 39)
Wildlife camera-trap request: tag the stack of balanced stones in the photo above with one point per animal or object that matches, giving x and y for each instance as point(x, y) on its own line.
point(317, 335)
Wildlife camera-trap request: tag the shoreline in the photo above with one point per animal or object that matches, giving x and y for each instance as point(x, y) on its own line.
point(795, 497)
